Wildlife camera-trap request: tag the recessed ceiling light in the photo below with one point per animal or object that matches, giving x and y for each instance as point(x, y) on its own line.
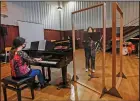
point(59, 8)
point(3, 15)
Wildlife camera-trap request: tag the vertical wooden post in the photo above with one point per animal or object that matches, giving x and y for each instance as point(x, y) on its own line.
point(121, 44)
point(113, 91)
point(104, 45)
point(121, 74)
point(104, 90)
point(114, 44)
point(73, 43)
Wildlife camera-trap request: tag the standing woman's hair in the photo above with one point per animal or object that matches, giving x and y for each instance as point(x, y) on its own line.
point(89, 36)
point(16, 43)
point(89, 28)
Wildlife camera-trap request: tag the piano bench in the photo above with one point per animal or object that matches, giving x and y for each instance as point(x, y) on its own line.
point(15, 85)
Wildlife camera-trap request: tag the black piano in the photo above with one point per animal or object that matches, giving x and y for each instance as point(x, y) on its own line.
point(57, 54)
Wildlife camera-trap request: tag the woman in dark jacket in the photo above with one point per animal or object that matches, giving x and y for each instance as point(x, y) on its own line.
point(89, 47)
point(19, 61)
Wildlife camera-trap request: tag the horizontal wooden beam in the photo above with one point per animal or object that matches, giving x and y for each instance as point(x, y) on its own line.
point(119, 9)
point(88, 87)
point(88, 8)
point(118, 82)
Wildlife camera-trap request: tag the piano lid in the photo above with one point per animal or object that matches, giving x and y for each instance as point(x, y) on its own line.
point(49, 46)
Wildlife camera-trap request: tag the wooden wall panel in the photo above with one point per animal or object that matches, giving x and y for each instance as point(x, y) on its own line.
point(108, 32)
point(13, 32)
point(67, 33)
point(52, 35)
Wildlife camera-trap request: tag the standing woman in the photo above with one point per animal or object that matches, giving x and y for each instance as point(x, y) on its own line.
point(19, 62)
point(89, 48)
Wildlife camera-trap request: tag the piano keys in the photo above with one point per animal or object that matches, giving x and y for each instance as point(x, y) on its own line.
point(48, 62)
point(54, 58)
point(54, 63)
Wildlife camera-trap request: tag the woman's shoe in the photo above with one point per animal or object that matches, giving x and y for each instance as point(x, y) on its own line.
point(42, 86)
point(86, 70)
point(35, 85)
point(93, 71)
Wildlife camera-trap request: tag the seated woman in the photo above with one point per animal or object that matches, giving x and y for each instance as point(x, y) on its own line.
point(19, 61)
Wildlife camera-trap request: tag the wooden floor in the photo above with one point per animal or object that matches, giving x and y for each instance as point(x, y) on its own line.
point(129, 88)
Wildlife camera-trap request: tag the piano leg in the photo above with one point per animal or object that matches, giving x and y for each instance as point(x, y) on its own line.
point(64, 83)
point(64, 75)
point(49, 74)
point(43, 72)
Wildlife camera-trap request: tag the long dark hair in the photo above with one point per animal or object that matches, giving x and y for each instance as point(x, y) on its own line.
point(12, 53)
point(16, 43)
point(89, 28)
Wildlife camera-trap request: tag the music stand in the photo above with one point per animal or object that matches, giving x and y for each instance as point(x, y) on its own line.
point(42, 45)
point(96, 36)
point(34, 47)
point(98, 44)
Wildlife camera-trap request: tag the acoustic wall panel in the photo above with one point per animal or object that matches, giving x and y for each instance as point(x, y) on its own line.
point(31, 31)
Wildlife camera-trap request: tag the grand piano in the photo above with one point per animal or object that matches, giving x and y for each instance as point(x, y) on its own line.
point(57, 54)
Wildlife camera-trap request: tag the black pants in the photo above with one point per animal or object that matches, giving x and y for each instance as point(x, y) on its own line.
point(89, 58)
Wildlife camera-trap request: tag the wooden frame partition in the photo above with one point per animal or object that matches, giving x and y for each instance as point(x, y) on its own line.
point(113, 91)
point(103, 5)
